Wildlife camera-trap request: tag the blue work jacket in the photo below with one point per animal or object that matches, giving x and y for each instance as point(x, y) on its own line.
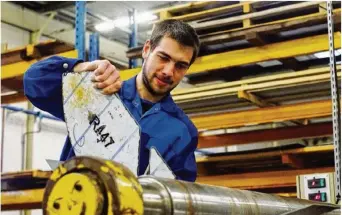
point(164, 126)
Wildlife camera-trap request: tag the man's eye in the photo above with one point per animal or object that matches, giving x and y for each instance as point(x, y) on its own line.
point(181, 66)
point(163, 58)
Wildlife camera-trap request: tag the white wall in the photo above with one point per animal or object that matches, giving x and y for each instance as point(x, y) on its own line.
point(14, 37)
point(47, 144)
point(18, 16)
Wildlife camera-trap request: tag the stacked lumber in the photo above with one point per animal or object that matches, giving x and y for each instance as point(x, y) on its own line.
point(257, 68)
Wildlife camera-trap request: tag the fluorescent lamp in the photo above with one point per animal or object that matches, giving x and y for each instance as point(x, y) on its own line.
point(146, 17)
point(141, 18)
point(124, 21)
point(121, 22)
point(105, 26)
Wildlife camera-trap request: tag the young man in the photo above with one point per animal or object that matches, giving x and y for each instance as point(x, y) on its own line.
point(168, 54)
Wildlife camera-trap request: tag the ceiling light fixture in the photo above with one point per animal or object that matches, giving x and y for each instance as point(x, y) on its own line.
point(124, 21)
point(105, 26)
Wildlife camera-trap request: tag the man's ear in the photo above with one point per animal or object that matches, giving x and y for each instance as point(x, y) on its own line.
point(146, 50)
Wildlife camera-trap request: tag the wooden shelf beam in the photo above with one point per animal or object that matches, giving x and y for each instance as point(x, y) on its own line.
point(282, 113)
point(285, 133)
point(260, 180)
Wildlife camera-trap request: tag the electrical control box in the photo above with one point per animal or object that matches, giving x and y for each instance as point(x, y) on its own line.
point(317, 187)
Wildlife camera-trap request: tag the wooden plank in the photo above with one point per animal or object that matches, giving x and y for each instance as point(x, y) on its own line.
point(27, 173)
point(32, 51)
point(226, 106)
point(253, 99)
point(264, 155)
point(293, 161)
point(251, 16)
point(37, 50)
point(13, 98)
point(164, 15)
point(275, 84)
point(255, 39)
point(259, 102)
point(247, 8)
point(13, 83)
point(280, 50)
point(22, 199)
point(207, 13)
point(274, 51)
point(19, 68)
point(292, 63)
point(284, 133)
point(282, 76)
point(307, 110)
point(322, 7)
point(188, 6)
point(260, 180)
point(271, 27)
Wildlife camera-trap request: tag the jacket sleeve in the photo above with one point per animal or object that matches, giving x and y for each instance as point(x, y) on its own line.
point(43, 83)
point(184, 165)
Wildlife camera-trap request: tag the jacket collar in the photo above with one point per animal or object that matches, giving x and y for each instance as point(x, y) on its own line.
point(129, 88)
point(129, 92)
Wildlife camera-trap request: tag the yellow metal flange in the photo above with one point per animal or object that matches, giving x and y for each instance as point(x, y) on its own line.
point(76, 193)
point(87, 185)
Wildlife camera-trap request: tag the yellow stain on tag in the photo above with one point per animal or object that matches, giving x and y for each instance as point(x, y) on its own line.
point(82, 95)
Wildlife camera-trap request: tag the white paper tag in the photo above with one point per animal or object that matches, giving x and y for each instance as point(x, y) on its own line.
point(99, 125)
point(158, 167)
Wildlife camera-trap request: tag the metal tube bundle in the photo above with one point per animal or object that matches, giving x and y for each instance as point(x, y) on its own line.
point(86, 185)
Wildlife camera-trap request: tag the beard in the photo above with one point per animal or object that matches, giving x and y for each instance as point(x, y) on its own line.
point(148, 85)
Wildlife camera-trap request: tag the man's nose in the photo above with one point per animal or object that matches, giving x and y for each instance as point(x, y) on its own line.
point(169, 69)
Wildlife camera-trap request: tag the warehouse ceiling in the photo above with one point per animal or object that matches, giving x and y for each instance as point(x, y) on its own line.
point(99, 11)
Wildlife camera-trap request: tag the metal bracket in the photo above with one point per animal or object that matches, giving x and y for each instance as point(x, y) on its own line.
point(37, 34)
point(336, 113)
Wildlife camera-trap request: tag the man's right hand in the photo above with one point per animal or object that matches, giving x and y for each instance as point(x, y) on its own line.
point(106, 76)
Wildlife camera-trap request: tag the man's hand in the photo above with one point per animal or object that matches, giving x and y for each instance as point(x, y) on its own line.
point(106, 76)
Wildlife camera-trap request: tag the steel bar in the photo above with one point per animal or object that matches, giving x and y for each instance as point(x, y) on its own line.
point(105, 187)
point(336, 110)
point(165, 196)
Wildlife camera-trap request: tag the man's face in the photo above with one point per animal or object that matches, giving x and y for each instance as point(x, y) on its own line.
point(165, 66)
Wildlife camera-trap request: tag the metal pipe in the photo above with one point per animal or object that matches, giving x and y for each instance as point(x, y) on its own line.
point(165, 196)
point(31, 112)
point(27, 165)
point(126, 194)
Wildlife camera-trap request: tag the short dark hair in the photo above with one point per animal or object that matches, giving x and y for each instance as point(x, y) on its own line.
point(177, 30)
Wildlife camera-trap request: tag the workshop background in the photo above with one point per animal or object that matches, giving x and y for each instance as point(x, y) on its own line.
point(259, 93)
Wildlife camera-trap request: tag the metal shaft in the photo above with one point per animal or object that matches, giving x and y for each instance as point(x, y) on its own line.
point(105, 187)
point(165, 196)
